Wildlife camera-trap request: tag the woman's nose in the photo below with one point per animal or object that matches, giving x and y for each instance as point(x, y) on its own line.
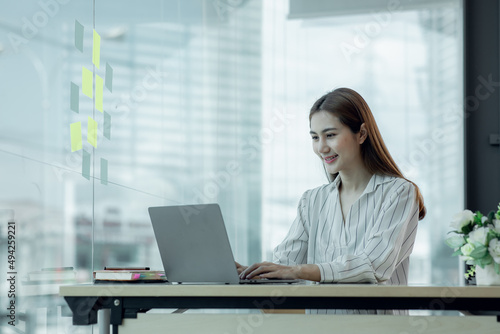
point(323, 148)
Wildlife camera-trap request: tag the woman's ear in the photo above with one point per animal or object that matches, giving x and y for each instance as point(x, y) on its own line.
point(363, 134)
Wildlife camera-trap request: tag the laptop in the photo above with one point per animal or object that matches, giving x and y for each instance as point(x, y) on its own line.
point(194, 246)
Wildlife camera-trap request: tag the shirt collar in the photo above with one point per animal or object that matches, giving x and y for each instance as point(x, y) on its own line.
point(375, 181)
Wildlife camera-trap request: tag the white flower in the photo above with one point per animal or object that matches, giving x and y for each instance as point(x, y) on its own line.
point(479, 235)
point(483, 219)
point(496, 222)
point(466, 250)
point(462, 219)
point(494, 250)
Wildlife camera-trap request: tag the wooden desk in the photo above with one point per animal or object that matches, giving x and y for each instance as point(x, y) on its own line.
point(131, 301)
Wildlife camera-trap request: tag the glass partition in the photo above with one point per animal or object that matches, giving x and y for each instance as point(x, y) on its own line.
point(111, 107)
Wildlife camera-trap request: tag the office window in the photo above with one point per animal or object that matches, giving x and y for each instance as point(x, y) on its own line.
point(209, 103)
point(406, 61)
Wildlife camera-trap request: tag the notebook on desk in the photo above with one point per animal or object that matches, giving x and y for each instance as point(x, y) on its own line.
point(194, 246)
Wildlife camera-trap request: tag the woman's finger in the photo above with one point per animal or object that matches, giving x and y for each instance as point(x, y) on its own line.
point(245, 272)
point(240, 268)
point(264, 268)
point(248, 272)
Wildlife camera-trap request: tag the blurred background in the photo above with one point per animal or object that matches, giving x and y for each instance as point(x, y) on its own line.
point(209, 102)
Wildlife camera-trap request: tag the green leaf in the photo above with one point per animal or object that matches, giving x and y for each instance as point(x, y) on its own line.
point(455, 241)
point(491, 235)
point(479, 252)
point(471, 272)
point(491, 216)
point(485, 261)
point(477, 218)
point(467, 229)
point(457, 252)
point(497, 268)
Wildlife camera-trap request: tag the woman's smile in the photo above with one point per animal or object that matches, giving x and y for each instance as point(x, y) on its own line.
point(330, 159)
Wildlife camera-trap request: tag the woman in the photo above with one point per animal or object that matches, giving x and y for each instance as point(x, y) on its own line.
point(362, 225)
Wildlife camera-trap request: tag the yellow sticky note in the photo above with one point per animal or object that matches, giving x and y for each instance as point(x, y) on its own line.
point(92, 132)
point(96, 50)
point(87, 82)
point(99, 87)
point(76, 136)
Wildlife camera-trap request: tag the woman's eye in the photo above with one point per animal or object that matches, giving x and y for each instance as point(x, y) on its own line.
point(314, 137)
point(330, 135)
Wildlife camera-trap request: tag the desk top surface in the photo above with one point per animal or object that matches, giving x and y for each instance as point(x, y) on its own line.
point(277, 290)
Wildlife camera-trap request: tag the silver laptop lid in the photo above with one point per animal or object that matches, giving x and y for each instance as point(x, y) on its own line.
point(193, 243)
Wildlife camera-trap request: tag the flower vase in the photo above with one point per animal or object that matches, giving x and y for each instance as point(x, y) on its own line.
point(487, 275)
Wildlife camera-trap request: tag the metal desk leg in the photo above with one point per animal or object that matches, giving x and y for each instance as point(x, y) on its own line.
point(103, 316)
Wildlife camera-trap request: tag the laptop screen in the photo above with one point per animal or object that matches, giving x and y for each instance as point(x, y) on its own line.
point(193, 243)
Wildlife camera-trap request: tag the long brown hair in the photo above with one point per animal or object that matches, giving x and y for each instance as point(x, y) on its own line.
point(352, 111)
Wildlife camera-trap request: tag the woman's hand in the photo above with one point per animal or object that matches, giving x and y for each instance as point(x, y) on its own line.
point(240, 268)
point(270, 270)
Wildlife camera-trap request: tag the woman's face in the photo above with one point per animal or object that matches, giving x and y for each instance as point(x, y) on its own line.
point(334, 143)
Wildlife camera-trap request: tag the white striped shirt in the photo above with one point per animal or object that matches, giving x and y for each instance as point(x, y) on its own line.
point(374, 244)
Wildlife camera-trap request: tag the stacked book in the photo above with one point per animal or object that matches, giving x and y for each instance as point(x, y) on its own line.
point(47, 281)
point(139, 275)
point(51, 275)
